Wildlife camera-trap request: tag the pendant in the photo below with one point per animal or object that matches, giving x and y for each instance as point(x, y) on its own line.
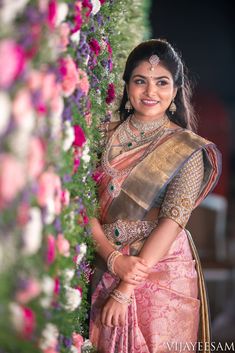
point(114, 188)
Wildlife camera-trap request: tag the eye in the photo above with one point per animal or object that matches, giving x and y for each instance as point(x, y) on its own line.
point(162, 83)
point(139, 81)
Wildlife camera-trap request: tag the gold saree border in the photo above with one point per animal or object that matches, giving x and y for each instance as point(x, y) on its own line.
point(164, 161)
point(204, 334)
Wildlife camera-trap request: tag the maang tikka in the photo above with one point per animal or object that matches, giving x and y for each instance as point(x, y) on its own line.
point(153, 60)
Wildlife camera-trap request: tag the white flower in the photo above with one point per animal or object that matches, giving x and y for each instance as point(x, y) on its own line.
point(95, 6)
point(32, 234)
point(50, 211)
point(10, 9)
point(85, 154)
point(5, 108)
point(49, 337)
point(47, 285)
point(68, 136)
point(83, 248)
point(75, 37)
point(87, 344)
point(73, 298)
point(73, 349)
point(62, 12)
point(55, 118)
point(68, 274)
point(17, 317)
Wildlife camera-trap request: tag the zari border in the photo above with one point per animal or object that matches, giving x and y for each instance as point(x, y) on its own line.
point(204, 334)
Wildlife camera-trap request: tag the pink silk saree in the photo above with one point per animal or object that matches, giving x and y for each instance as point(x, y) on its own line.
point(169, 312)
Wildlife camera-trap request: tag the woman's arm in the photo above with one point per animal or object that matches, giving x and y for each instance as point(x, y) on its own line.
point(126, 267)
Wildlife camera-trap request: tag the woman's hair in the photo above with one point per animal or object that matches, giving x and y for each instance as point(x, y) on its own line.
point(171, 60)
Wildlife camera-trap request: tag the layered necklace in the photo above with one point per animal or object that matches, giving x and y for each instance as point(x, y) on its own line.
point(129, 140)
point(147, 131)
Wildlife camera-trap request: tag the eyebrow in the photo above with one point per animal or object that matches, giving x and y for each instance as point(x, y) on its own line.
point(156, 78)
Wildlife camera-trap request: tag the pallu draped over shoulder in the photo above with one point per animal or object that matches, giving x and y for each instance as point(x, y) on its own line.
point(169, 311)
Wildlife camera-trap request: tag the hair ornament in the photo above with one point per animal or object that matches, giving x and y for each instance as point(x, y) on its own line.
point(153, 60)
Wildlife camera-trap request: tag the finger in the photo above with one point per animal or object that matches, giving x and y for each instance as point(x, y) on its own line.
point(103, 317)
point(122, 319)
point(108, 320)
point(115, 320)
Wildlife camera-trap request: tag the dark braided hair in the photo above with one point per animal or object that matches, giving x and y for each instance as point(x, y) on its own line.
point(171, 60)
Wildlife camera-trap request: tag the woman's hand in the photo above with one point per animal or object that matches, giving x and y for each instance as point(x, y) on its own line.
point(131, 269)
point(113, 313)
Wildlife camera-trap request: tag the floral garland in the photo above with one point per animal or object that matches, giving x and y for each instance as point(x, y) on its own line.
point(58, 77)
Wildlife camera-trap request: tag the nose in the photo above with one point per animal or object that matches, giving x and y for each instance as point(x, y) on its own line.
point(151, 89)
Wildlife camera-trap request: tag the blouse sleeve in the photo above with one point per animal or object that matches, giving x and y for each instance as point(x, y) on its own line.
point(183, 190)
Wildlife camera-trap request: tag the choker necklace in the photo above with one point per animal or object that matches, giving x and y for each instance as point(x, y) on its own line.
point(147, 126)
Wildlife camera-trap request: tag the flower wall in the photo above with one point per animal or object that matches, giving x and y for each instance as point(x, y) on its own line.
point(60, 65)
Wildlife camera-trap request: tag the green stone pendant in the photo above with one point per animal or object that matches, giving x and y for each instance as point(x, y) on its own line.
point(116, 232)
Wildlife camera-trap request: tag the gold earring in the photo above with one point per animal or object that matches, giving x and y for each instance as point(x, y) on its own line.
point(128, 106)
point(172, 107)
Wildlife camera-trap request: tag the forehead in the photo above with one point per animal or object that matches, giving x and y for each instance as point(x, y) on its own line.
point(144, 69)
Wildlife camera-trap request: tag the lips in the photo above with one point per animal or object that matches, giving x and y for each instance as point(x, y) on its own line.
point(149, 102)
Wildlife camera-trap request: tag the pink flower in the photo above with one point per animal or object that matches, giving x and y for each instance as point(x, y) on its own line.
point(29, 322)
point(77, 341)
point(86, 3)
point(76, 158)
point(77, 17)
point(109, 48)
point(10, 185)
point(50, 350)
point(69, 75)
point(49, 189)
point(31, 291)
point(52, 13)
point(95, 47)
point(22, 105)
point(80, 137)
point(110, 94)
point(63, 245)
point(12, 59)
point(50, 256)
point(64, 32)
point(83, 82)
point(36, 157)
point(35, 80)
point(57, 286)
point(48, 86)
point(65, 197)
point(23, 214)
point(102, 2)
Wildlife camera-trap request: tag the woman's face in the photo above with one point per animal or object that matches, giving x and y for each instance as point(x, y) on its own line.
point(150, 92)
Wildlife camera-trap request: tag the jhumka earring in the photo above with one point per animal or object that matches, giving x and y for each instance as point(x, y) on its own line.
point(153, 60)
point(128, 106)
point(172, 107)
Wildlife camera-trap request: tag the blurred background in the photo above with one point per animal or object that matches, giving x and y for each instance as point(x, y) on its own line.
point(203, 31)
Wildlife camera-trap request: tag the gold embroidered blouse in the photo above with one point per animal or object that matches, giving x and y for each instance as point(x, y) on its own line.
point(182, 191)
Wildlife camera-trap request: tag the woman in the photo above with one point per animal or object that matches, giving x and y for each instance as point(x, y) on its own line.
point(148, 290)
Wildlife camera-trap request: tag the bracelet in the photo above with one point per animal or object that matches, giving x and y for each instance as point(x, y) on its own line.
point(120, 297)
point(111, 259)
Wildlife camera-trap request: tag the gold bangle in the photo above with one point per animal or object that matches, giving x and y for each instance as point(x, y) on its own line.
point(111, 259)
point(120, 297)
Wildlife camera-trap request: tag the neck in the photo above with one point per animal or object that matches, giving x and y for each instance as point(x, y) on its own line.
point(146, 118)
